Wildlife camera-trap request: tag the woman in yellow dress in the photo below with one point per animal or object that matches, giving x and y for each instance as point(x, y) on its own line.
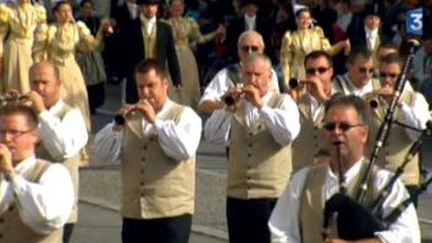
point(186, 30)
point(297, 44)
point(58, 42)
point(17, 25)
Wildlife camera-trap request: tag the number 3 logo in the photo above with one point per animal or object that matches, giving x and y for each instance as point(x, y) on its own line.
point(417, 21)
point(414, 21)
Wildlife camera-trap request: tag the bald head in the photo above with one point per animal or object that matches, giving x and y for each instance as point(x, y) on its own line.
point(45, 80)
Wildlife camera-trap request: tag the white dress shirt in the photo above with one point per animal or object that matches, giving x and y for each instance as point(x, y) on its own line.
point(43, 206)
point(415, 114)
point(63, 138)
point(149, 24)
point(179, 141)
point(284, 221)
point(348, 87)
point(371, 37)
point(221, 83)
point(249, 22)
point(282, 122)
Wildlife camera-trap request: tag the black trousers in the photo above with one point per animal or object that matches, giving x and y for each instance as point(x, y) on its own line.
point(163, 230)
point(248, 219)
point(67, 232)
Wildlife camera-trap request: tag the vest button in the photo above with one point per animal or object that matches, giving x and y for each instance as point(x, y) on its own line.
point(1, 220)
point(250, 134)
point(11, 208)
point(143, 159)
point(145, 147)
point(142, 195)
point(259, 127)
point(151, 139)
point(249, 155)
point(315, 137)
point(142, 171)
point(250, 144)
point(142, 183)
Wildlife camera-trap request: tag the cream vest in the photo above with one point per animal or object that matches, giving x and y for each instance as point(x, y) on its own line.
point(71, 165)
point(397, 145)
point(310, 138)
point(13, 229)
point(149, 42)
point(258, 167)
point(312, 203)
point(154, 185)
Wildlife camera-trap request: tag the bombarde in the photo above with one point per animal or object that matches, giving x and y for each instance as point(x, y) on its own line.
point(355, 220)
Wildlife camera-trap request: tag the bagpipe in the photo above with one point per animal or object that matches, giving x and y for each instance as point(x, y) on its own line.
point(355, 220)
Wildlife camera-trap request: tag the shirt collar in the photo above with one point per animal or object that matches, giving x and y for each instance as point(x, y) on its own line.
point(56, 107)
point(371, 33)
point(165, 108)
point(25, 164)
point(147, 21)
point(350, 174)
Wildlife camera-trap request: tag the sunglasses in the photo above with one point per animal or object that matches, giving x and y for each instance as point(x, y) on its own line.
point(365, 70)
point(390, 75)
point(331, 126)
point(250, 49)
point(320, 70)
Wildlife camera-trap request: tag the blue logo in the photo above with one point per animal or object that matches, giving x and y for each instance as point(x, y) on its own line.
point(414, 21)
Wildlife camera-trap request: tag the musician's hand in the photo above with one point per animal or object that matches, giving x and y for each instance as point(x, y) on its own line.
point(147, 110)
point(6, 165)
point(124, 111)
point(234, 92)
point(297, 93)
point(316, 89)
point(387, 93)
point(37, 101)
point(252, 94)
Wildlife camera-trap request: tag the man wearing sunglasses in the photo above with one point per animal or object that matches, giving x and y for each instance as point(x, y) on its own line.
point(62, 130)
point(250, 42)
point(259, 130)
point(359, 77)
point(412, 110)
point(298, 215)
point(318, 83)
point(36, 196)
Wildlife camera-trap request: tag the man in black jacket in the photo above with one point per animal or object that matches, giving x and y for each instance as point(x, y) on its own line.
point(147, 37)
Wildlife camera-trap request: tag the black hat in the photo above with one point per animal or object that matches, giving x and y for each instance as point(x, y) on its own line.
point(147, 2)
point(246, 2)
point(372, 9)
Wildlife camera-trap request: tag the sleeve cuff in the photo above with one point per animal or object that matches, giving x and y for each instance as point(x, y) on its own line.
point(265, 109)
point(44, 115)
point(159, 124)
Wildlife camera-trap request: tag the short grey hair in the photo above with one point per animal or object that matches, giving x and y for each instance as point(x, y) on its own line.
point(250, 33)
point(259, 56)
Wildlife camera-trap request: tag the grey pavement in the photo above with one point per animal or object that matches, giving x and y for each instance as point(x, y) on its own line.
point(97, 224)
point(100, 192)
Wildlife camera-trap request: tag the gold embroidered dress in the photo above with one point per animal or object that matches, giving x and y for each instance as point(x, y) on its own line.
point(186, 30)
point(296, 45)
point(58, 42)
point(17, 25)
